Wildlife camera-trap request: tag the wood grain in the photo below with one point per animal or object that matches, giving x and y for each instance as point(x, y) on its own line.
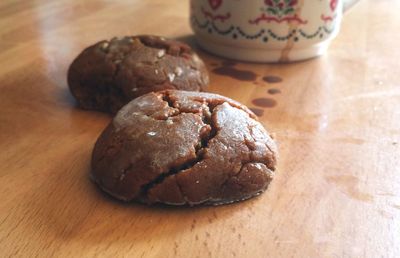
point(337, 121)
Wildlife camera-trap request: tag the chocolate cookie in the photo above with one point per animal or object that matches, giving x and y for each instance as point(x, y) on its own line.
point(179, 147)
point(109, 74)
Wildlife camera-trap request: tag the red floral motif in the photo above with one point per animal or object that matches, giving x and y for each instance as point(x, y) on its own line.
point(268, 19)
point(279, 11)
point(333, 4)
point(330, 17)
point(221, 17)
point(215, 4)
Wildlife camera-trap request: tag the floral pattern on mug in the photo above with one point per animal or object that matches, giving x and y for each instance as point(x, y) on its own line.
point(279, 11)
point(280, 7)
point(285, 12)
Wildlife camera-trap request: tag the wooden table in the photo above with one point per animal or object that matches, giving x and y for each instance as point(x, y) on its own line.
point(336, 118)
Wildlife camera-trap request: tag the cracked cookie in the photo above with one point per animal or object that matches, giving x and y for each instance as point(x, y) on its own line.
point(108, 74)
point(180, 147)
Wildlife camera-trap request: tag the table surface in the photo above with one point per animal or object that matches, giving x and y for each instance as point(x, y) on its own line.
point(336, 118)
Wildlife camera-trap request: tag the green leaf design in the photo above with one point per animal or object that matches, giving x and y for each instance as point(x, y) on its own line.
point(272, 10)
point(289, 10)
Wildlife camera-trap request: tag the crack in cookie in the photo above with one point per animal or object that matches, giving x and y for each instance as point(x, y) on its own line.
point(207, 133)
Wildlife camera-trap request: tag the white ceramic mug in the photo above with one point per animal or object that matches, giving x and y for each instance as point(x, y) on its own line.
point(267, 30)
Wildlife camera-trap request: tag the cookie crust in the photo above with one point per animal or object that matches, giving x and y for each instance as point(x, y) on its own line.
point(110, 73)
point(184, 148)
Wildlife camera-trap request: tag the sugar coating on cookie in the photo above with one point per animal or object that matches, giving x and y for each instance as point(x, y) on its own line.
point(109, 74)
point(184, 148)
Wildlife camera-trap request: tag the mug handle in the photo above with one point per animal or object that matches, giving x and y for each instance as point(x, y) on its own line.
point(348, 3)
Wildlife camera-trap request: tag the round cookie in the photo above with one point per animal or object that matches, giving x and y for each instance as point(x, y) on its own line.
point(179, 147)
point(109, 74)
